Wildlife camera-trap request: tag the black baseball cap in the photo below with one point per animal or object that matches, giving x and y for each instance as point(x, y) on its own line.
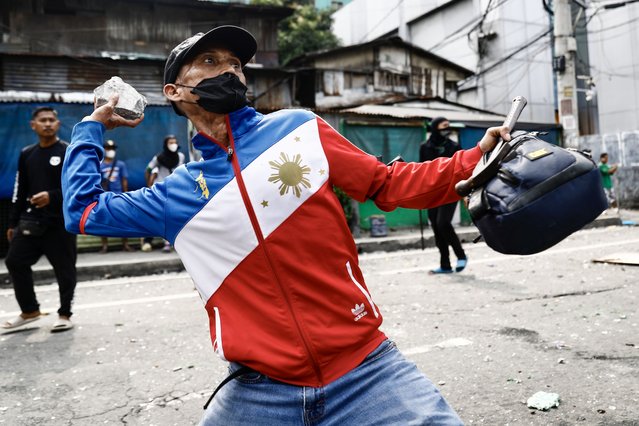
point(236, 39)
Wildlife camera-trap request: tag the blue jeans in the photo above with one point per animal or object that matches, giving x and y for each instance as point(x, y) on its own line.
point(385, 389)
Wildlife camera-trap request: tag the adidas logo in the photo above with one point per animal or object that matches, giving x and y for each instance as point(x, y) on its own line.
point(359, 311)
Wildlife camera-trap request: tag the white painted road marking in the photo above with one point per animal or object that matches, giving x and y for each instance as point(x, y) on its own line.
point(140, 280)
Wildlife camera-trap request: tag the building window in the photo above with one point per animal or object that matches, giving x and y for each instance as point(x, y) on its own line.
point(450, 90)
point(391, 82)
point(333, 83)
point(420, 83)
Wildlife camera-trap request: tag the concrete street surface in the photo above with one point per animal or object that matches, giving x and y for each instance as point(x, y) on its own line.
point(489, 338)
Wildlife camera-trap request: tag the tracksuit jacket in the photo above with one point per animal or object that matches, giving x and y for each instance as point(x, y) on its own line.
point(261, 232)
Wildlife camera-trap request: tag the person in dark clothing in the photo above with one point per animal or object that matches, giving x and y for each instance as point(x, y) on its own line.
point(440, 145)
point(36, 225)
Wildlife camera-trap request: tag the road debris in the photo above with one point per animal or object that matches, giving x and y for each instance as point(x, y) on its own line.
point(543, 400)
point(622, 258)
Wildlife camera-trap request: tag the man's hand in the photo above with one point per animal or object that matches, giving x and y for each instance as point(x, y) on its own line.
point(40, 199)
point(10, 232)
point(490, 139)
point(106, 115)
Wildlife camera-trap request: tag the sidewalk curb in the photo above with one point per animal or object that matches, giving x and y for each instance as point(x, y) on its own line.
point(141, 266)
point(97, 271)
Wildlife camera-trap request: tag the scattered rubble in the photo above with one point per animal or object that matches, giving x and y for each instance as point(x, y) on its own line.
point(543, 400)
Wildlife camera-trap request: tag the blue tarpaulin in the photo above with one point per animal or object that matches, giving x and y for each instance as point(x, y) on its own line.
point(135, 146)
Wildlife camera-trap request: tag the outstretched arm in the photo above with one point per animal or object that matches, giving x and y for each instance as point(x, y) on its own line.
point(410, 185)
point(431, 183)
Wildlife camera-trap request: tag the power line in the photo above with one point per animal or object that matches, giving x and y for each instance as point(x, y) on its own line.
point(525, 62)
point(363, 39)
point(601, 30)
point(607, 6)
point(483, 17)
point(524, 66)
point(460, 32)
point(501, 60)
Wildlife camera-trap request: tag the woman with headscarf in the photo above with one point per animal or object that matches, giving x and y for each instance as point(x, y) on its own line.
point(161, 166)
point(440, 145)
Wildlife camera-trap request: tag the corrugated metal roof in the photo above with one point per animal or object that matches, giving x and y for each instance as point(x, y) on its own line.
point(455, 114)
point(57, 76)
point(64, 97)
point(393, 41)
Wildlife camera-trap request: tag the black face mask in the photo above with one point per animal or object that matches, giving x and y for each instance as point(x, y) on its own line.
point(445, 132)
point(222, 94)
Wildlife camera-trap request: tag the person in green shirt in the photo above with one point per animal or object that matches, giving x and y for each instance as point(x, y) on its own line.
point(606, 177)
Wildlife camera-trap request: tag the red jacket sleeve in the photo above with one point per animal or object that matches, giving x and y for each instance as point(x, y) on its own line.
point(410, 185)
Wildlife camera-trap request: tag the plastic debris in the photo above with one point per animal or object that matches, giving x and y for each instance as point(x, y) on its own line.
point(130, 104)
point(621, 258)
point(543, 400)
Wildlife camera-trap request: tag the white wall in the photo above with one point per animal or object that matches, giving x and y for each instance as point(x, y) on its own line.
point(438, 33)
point(365, 20)
point(529, 72)
point(614, 58)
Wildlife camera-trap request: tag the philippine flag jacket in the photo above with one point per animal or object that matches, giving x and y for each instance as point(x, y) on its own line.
point(261, 232)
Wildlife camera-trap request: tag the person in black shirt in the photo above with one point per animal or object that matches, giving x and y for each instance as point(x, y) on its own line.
point(440, 145)
point(36, 224)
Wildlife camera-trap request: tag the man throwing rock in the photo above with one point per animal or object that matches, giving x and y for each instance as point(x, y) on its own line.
point(260, 230)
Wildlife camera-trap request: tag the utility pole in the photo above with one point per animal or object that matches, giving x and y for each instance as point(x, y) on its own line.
point(564, 66)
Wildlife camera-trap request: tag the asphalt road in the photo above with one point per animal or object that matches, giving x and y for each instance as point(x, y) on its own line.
point(490, 337)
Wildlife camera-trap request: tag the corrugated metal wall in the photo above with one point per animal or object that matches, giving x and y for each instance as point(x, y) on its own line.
point(59, 75)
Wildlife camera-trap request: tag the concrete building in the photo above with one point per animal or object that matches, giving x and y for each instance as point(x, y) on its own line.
point(375, 72)
point(508, 45)
point(613, 36)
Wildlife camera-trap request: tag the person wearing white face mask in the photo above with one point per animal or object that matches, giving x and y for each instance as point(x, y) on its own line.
point(161, 166)
point(115, 178)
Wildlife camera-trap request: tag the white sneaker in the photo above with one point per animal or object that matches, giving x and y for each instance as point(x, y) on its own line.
point(146, 247)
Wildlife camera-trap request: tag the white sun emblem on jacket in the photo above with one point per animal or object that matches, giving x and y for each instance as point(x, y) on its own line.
point(290, 174)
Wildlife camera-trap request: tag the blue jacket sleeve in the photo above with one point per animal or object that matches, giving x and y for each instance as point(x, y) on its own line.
point(88, 209)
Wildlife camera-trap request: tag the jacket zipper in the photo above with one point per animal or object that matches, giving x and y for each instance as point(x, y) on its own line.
point(260, 237)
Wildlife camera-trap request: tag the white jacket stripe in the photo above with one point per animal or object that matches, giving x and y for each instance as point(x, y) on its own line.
point(216, 240)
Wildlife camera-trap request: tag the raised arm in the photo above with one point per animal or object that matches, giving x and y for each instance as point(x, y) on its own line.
point(88, 209)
